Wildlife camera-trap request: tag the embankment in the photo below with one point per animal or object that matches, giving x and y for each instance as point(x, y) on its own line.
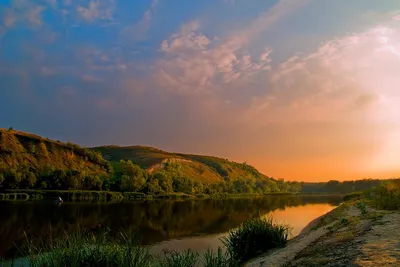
point(354, 234)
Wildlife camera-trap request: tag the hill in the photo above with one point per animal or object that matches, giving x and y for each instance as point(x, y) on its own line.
point(205, 169)
point(27, 160)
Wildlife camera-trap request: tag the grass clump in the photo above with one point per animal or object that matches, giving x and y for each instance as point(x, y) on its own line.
point(83, 250)
point(178, 259)
point(218, 259)
point(362, 207)
point(80, 249)
point(255, 237)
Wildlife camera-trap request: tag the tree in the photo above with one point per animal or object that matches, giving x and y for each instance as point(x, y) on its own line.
point(154, 187)
point(164, 181)
point(31, 179)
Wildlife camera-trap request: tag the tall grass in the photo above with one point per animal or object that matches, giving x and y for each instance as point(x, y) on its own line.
point(255, 237)
point(83, 250)
point(387, 196)
point(80, 249)
point(185, 258)
point(218, 259)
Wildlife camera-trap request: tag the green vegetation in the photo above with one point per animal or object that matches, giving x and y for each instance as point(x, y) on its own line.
point(345, 187)
point(386, 196)
point(255, 237)
point(178, 259)
point(30, 162)
point(87, 249)
point(80, 249)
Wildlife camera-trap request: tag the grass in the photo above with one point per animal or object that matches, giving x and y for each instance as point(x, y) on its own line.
point(362, 207)
point(179, 259)
point(255, 237)
point(80, 249)
point(354, 195)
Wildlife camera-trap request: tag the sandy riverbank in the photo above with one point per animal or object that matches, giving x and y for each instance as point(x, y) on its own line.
point(354, 234)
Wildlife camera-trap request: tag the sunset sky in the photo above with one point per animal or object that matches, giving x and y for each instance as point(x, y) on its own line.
point(301, 89)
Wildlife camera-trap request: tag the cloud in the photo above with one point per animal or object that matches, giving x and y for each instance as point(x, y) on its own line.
point(343, 75)
point(139, 31)
point(9, 19)
point(186, 39)
point(397, 17)
point(23, 11)
point(96, 10)
point(90, 78)
point(195, 62)
point(349, 86)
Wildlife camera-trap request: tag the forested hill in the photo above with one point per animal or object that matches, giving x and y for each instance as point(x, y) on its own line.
point(206, 169)
point(31, 161)
point(219, 174)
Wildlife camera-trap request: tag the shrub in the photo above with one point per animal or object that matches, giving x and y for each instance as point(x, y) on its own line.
point(387, 196)
point(255, 237)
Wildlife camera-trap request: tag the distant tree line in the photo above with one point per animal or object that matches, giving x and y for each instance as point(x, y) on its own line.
point(337, 187)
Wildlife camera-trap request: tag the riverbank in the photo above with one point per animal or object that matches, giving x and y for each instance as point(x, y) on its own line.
point(354, 234)
point(76, 195)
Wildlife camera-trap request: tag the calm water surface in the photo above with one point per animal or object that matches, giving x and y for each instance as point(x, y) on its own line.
point(194, 224)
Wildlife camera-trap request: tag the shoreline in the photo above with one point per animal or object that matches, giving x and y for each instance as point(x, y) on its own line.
point(353, 234)
point(112, 196)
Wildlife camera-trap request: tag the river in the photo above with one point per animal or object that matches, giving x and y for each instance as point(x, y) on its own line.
point(165, 224)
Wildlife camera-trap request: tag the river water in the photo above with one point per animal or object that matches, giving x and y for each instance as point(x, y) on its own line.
point(165, 224)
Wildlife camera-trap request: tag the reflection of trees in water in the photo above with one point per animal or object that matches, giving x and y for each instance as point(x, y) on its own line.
point(156, 220)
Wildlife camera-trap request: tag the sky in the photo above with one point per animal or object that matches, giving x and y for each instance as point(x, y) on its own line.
point(305, 90)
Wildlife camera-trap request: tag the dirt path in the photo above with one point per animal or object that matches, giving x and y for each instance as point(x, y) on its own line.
point(351, 235)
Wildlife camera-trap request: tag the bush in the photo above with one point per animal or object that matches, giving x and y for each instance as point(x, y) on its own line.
point(255, 237)
point(387, 196)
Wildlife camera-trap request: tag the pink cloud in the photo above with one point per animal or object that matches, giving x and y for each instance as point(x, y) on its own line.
point(96, 10)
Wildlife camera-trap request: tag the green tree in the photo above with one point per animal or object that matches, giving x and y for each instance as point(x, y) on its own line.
point(164, 181)
point(31, 179)
point(154, 187)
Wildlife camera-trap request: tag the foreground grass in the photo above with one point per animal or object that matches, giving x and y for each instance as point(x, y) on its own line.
point(80, 249)
point(255, 237)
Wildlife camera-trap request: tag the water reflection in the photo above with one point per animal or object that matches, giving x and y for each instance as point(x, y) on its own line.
point(204, 221)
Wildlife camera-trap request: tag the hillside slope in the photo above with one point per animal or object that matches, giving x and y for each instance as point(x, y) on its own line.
point(26, 157)
point(205, 169)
